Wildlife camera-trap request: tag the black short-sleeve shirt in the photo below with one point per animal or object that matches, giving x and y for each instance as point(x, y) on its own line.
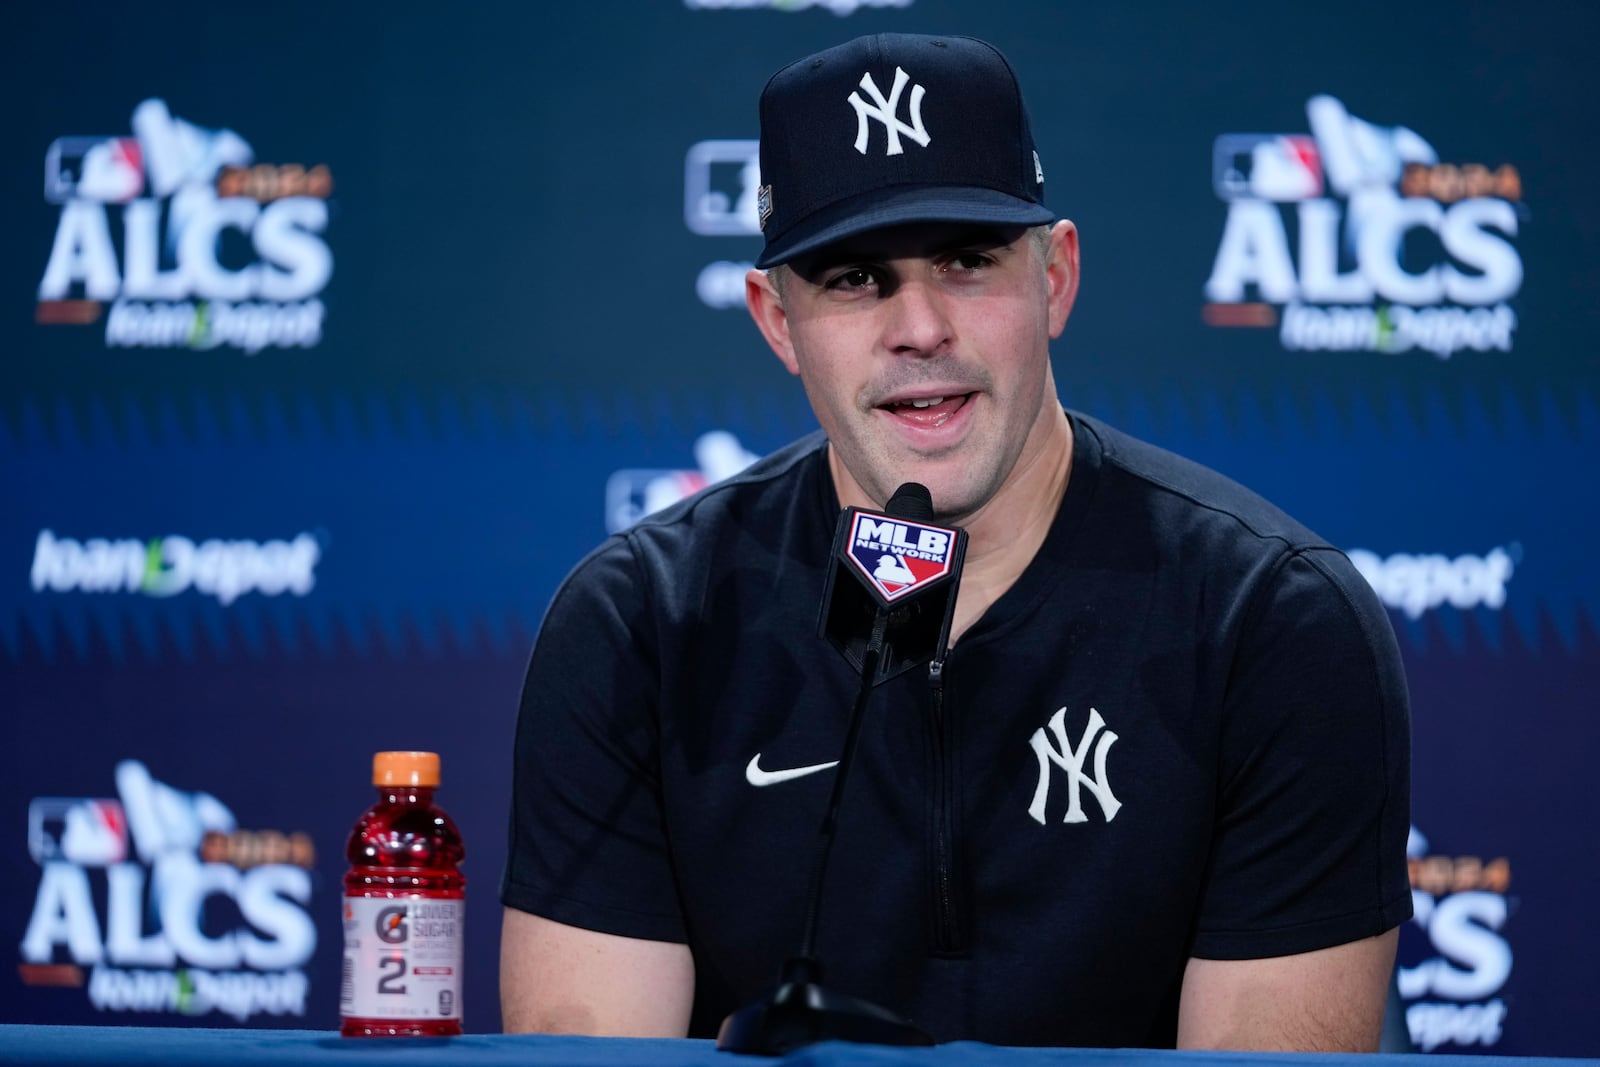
point(1182, 732)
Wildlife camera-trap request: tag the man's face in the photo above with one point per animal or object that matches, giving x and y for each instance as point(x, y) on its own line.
point(924, 350)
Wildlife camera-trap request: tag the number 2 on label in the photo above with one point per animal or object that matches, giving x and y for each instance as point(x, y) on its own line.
point(390, 982)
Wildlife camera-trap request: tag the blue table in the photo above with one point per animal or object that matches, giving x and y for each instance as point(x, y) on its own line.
point(132, 1046)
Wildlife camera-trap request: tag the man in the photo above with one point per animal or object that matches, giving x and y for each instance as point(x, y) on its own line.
point(1155, 794)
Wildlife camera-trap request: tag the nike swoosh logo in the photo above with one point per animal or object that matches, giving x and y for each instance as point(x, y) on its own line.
point(758, 777)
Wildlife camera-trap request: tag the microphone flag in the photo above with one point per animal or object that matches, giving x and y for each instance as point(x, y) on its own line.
point(896, 562)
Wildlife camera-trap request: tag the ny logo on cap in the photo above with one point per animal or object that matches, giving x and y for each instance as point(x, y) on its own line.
point(884, 112)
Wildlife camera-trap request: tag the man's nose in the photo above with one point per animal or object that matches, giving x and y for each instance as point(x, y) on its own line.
point(918, 319)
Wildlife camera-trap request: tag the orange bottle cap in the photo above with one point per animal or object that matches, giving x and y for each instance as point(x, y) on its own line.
point(405, 768)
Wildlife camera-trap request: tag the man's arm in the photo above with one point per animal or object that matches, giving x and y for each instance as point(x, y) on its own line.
point(560, 979)
point(592, 938)
point(1330, 1000)
point(1295, 945)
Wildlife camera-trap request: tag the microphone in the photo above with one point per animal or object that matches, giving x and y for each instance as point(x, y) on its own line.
point(898, 567)
point(887, 608)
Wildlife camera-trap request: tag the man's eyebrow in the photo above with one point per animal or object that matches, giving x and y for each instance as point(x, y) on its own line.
point(809, 267)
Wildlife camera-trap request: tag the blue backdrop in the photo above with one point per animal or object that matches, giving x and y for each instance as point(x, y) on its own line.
point(331, 340)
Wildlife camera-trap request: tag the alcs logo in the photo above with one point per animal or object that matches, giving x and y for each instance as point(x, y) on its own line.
point(187, 195)
point(1407, 253)
point(159, 948)
point(1461, 904)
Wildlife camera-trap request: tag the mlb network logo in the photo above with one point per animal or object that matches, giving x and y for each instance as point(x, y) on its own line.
point(897, 556)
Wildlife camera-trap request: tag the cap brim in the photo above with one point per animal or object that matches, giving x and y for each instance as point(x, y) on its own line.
point(893, 207)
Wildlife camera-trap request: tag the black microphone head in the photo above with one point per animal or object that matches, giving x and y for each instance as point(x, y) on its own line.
point(911, 501)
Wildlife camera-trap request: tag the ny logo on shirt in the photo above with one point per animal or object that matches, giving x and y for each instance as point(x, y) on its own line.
point(1070, 759)
point(884, 111)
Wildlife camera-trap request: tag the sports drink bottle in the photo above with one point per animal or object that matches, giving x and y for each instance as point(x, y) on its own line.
point(403, 908)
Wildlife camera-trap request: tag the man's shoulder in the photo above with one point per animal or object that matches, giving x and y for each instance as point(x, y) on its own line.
point(1184, 493)
point(765, 524)
point(1165, 509)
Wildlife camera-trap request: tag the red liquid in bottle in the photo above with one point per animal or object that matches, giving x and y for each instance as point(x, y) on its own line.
point(403, 908)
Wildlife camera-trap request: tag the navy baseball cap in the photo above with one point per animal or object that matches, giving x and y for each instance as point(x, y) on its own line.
point(893, 128)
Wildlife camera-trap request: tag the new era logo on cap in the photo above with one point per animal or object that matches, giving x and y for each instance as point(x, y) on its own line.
point(894, 128)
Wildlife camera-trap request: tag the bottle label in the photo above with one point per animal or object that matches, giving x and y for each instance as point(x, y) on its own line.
point(402, 958)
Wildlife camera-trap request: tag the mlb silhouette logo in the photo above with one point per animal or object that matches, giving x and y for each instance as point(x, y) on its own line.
point(1260, 166)
point(105, 169)
point(722, 189)
point(898, 557)
point(87, 832)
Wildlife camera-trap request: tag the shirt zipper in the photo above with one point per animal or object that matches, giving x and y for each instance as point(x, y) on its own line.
point(949, 931)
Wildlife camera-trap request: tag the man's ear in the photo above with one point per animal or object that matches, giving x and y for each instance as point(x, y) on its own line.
point(766, 307)
point(1061, 274)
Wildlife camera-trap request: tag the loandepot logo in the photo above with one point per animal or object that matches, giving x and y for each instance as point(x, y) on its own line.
point(1392, 251)
point(167, 566)
point(215, 248)
point(199, 915)
point(1416, 584)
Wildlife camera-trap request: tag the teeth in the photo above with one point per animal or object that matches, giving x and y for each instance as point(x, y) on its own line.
point(928, 403)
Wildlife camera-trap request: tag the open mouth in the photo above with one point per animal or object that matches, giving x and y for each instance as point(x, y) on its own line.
point(928, 410)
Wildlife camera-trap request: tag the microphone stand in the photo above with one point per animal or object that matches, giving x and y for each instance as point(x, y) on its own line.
point(801, 1011)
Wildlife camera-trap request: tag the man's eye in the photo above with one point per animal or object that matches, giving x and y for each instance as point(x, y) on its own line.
point(968, 261)
point(854, 278)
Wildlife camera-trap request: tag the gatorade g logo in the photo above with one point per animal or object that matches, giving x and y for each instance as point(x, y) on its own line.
point(899, 556)
point(390, 925)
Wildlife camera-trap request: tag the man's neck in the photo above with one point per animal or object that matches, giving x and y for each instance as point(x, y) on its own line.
point(1005, 535)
